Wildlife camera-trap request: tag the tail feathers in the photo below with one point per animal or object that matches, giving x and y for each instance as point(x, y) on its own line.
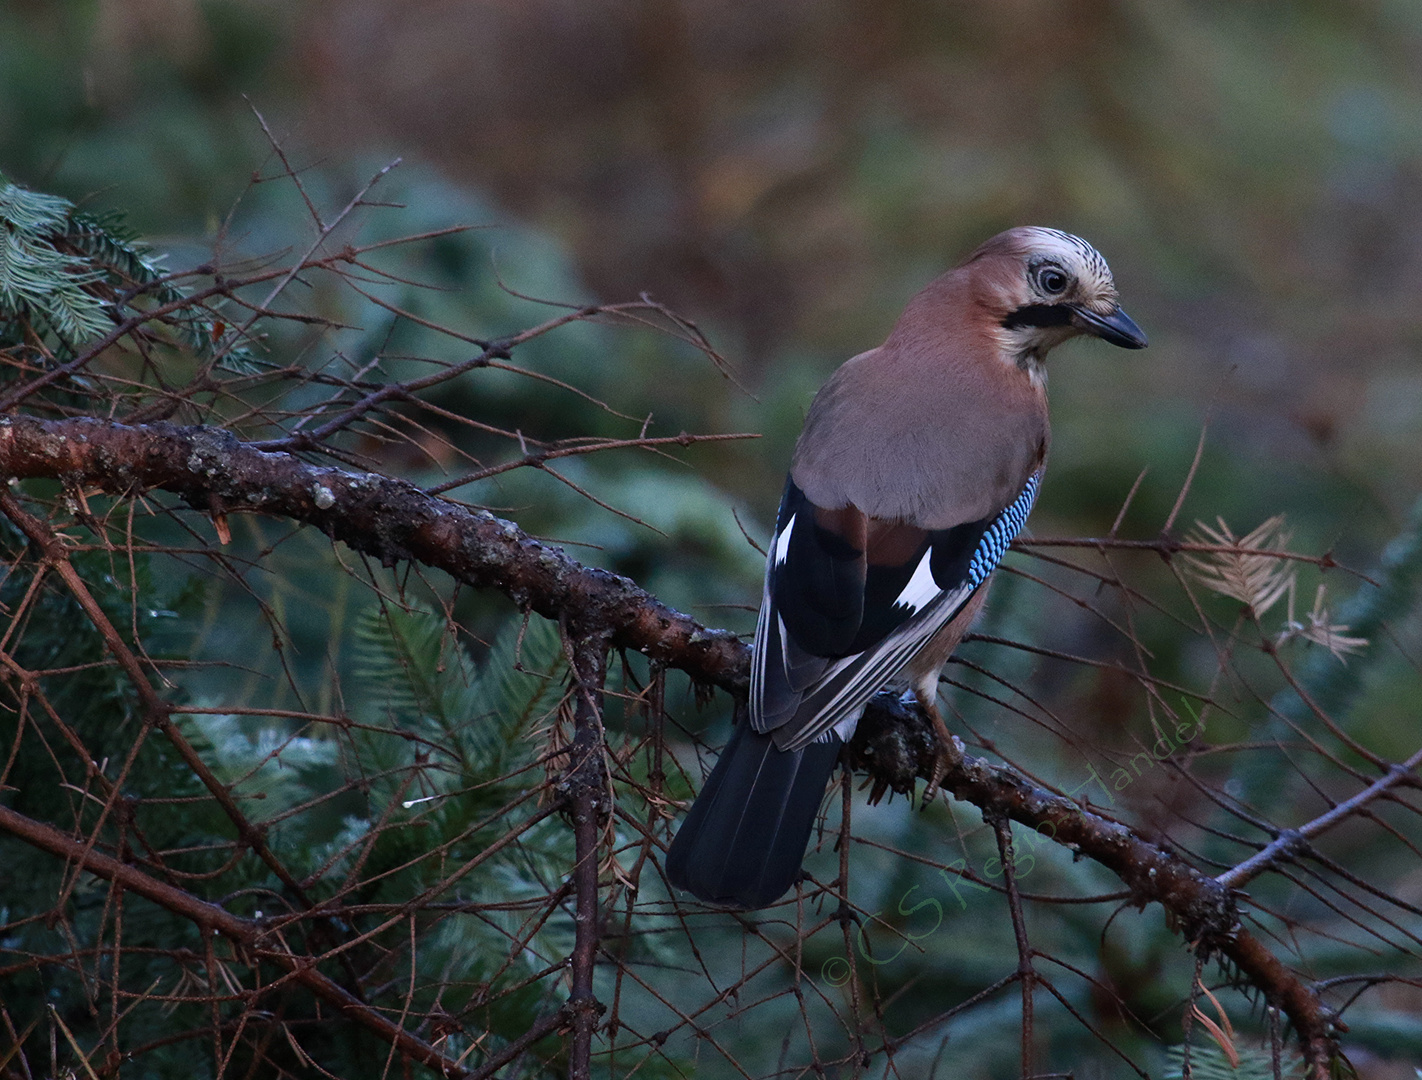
point(744, 839)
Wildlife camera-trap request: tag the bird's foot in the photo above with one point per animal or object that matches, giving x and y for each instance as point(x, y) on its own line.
point(948, 757)
point(950, 751)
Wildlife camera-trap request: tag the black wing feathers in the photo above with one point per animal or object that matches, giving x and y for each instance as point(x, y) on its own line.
point(837, 600)
point(882, 587)
point(848, 602)
point(953, 551)
point(819, 587)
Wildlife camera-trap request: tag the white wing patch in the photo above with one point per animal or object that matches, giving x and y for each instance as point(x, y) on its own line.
point(921, 589)
point(836, 701)
point(782, 542)
point(822, 695)
point(844, 729)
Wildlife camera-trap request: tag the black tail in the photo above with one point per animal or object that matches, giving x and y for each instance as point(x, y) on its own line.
point(742, 843)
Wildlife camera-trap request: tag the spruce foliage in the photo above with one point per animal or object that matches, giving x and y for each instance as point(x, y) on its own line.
point(69, 278)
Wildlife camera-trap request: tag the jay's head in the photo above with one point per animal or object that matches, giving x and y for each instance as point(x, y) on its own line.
point(1041, 287)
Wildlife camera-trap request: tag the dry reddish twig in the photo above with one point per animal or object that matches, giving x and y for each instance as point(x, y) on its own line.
point(585, 787)
point(247, 934)
point(393, 521)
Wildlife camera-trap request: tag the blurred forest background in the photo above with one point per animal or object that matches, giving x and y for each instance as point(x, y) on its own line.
point(787, 174)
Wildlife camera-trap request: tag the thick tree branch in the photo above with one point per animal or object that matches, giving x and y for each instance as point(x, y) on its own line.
point(896, 745)
point(389, 519)
point(393, 520)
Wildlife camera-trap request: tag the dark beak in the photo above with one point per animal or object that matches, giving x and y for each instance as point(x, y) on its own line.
point(1118, 328)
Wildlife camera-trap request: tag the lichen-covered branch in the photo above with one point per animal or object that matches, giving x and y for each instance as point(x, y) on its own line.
point(393, 520)
point(896, 745)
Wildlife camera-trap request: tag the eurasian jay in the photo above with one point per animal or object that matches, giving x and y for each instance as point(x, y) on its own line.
point(918, 464)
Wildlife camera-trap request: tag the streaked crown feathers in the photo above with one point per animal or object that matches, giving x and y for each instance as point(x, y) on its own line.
point(1038, 246)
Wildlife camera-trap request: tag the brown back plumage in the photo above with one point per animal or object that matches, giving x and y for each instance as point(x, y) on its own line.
point(935, 427)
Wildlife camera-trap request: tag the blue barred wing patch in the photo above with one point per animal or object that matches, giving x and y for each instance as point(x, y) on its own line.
point(805, 697)
point(1001, 533)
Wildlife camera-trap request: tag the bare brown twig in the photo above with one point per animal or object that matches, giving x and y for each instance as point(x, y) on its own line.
point(243, 932)
point(393, 520)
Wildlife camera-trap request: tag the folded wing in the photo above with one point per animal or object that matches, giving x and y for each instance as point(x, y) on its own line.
point(850, 599)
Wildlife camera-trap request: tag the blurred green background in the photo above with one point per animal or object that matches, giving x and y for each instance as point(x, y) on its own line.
point(787, 173)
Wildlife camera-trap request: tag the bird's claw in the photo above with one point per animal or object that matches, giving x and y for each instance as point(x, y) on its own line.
point(949, 755)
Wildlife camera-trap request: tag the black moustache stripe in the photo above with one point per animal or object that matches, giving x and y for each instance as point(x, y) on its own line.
point(1038, 315)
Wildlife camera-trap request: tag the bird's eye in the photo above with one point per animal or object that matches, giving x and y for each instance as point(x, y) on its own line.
point(1051, 280)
